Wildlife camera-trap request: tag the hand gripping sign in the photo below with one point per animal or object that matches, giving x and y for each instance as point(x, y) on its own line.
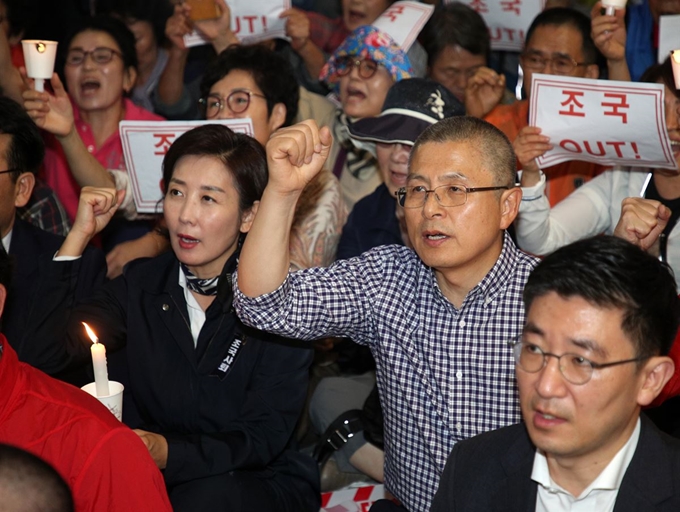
point(403, 21)
point(144, 146)
point(601, 121)
point(508, 20)
point(251, 21)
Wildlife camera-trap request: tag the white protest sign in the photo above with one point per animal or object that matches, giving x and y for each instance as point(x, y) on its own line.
point(508, 20)
point(669, 28)
point(601, 121)
point(403, 21)
point(251, 21)
point(145, 143)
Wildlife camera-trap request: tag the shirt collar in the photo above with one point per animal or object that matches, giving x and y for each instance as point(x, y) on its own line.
point(497, 278)
point(608, 480)
point(6, 241)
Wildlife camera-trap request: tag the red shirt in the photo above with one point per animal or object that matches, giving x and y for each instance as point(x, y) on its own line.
point(110, 155)
point(562, 178)
point(105, 464)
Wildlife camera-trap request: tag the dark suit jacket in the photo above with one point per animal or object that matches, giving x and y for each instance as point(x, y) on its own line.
point(492, 472)
point(41, 293)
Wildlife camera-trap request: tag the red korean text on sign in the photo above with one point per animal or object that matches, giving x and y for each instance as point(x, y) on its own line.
point(616, 106)
point(164, 141)
point(511, 5)
point(572, 103)
point(479, 6)
point(393, 12)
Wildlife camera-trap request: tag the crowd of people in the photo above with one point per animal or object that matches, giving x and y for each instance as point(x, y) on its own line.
point(371, 287)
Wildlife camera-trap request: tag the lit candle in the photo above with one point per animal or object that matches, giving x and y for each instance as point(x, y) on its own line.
point(675, 64)
point(101, 374)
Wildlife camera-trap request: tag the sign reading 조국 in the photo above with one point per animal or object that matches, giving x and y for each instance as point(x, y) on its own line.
point(601, 121)
point(403, 21)
point(508, 20)
point(251, 21)
point(144, 146)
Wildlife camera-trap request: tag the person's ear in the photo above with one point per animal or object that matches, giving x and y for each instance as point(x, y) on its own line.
point(248, 217)
point(656, 372)
point(23, 189)
point(510, 200)
point(278, 117)
point(129, 79)
point(592, 71)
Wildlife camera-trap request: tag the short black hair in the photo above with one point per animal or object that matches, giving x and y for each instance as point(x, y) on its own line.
point(455, 24)
point(155, 12)
point(241, 154)
point(29, 483)
point(20, 15)
point(272, 73)
point(26, 150)
point(561, 16)
point(112, 26)
point(492, 143)
point(610, 272)
point(661, 73)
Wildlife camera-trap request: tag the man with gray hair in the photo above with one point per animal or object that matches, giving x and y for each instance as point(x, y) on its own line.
point(436, 317)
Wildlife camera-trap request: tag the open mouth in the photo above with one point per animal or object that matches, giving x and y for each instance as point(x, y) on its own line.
point(356, 16)
point(353, 92)
point(90, 86)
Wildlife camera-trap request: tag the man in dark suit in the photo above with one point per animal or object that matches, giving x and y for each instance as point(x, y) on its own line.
point(601, 317)
point(41, 287)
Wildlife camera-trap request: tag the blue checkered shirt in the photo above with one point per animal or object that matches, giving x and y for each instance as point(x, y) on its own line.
point(444, 374)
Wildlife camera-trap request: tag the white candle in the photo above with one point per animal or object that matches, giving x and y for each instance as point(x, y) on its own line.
point(101, 374)
point(611, 6)
point(675, 64)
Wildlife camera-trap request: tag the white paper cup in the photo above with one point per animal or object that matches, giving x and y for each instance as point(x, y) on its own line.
point(113, 402)
point(675, 63)
point(39, 57)
point(611, 5)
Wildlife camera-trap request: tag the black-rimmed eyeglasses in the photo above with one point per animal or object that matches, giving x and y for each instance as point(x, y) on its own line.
point(446, 195)
point(573, 367)
point(101, 55)
point(8, 171)
point(366, 67)
point(238, 102)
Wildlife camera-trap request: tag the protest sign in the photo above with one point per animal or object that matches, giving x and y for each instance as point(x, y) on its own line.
point(508, 20)
point(145, 143)
point(601, 121)
point(251, 21)
point(403, 21)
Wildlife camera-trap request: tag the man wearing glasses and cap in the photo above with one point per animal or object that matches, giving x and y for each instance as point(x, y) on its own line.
point(601, 318)
point(435, 317)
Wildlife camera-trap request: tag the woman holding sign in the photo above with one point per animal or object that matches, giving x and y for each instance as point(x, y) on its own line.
point(217, 402)
point(641, 205)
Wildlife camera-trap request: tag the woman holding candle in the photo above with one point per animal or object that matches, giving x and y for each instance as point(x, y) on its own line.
point(217, 403)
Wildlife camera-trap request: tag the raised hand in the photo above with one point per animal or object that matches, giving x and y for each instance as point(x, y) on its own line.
point(96, 206)
point(642, 221)
point(295, 155)
point(484, 90)
point(609, 32)
point(529, 145)
point(218, 31)
point(297, 27)
point(51, 112)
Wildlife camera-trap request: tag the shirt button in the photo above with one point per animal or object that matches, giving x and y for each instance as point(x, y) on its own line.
point(487, 301)
point(459, 375)
point(459, 426)
point(165, 307)
point(90, 149)
point(462, 323)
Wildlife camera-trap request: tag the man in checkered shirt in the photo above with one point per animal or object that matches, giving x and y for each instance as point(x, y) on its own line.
point(437, 318)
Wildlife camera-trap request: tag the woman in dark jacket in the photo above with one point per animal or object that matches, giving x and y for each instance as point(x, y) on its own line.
point(217, 402)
